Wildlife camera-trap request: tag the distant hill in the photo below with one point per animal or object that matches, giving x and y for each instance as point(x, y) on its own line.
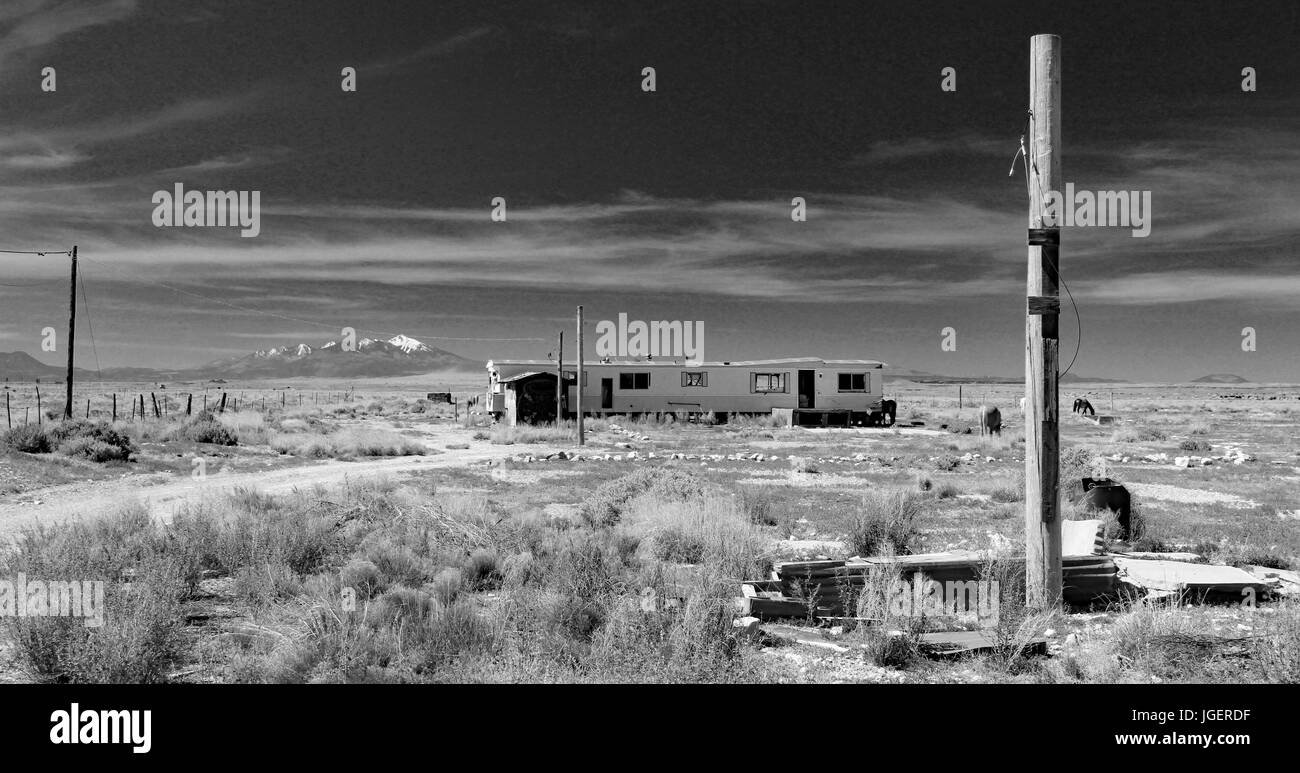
point(1221, 378)
point(21, 366)
point(398, 356)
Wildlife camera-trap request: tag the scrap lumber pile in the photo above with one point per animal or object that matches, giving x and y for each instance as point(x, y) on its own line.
point(821, 588)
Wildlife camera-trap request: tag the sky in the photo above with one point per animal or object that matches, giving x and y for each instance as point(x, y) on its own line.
point(666, 205)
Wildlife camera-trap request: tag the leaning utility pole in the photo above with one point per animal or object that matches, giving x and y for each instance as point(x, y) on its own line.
point(72, 330)
point(582, 440)
point(559, 380)
point(1042, 342)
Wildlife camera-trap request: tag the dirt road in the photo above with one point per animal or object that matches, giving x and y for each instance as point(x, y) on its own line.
point(80, 500)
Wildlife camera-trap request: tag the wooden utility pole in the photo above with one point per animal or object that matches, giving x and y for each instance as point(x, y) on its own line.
point(582, 439)
point(1042, 341)
point(9, 422)
point(72, 330)
point(559, 380)
point(38, 407)
point(115, 407)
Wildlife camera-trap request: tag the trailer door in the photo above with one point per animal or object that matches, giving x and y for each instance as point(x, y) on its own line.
point(607, 393)
point(807, 389)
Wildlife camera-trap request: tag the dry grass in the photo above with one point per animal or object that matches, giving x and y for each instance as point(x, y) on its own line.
point(713, 530)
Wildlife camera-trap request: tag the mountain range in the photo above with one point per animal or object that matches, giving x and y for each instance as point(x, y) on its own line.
point(400, 355)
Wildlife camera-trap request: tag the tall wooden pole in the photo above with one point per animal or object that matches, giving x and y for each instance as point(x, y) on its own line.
point(582, 437)
point(559, 380)
point(72, 330)
point(1042, 429)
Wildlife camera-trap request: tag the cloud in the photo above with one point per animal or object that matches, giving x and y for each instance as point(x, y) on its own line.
point(913, 148)
point(435, 50)
point(68, 143)
point(35, 24)
point(1194, 286)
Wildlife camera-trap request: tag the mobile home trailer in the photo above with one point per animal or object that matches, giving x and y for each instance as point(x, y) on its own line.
point(802, 390)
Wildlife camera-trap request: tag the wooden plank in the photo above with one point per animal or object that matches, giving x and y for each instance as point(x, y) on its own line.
point(765, 609)
point(1182, 576)
point(960, 643)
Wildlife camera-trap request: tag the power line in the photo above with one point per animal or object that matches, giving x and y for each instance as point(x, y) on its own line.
point(42, 253)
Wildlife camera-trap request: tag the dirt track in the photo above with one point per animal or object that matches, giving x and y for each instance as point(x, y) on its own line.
point(79, 500)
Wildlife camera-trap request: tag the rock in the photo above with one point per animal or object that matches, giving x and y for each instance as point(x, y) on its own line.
point(1183, 461)
point(747, 628)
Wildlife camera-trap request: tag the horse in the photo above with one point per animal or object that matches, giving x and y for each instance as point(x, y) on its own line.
point(990, 420)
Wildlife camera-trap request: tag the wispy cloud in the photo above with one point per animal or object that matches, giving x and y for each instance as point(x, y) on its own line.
point(30, 25)
point(435, 50)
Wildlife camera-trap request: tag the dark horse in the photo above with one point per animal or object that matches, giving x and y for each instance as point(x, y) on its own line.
point(1083, 406)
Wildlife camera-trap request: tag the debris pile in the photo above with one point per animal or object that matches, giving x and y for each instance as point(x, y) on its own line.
point(822, 588)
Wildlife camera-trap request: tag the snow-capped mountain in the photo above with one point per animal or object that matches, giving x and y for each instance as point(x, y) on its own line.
point(408, 344)
point(400, 355)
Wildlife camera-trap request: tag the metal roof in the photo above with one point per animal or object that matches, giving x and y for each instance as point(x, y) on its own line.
point(680, 363)
point(528, 374)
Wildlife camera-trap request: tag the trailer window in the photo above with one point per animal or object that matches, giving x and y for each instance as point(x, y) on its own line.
point(634, 381)
point(853, 382)
point(698, 379)
point(770, 382)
